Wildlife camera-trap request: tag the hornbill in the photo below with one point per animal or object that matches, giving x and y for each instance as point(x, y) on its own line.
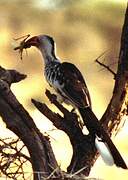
point(70, 85)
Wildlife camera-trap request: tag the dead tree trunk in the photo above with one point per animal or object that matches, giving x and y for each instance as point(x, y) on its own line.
point(19, 121)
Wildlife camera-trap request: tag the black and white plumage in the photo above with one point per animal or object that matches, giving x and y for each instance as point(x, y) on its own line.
point(69, 83)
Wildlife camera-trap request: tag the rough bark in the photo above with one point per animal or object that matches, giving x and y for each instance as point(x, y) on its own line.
point(18, 120)
point(83, 145)
point(118, 106)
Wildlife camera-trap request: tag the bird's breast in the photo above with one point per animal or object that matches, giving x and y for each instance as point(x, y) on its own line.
point(53, 76)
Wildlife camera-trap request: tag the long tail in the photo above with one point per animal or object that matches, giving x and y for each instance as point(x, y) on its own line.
point(103, 143)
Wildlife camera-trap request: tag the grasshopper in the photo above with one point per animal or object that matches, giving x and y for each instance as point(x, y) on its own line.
point(22, 46)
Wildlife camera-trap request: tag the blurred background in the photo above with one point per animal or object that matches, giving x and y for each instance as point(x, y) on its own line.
point(83, 30)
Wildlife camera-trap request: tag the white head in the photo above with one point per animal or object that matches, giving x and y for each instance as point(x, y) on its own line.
point(44, 43)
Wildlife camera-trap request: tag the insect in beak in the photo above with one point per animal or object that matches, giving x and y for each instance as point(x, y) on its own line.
point(24, 44)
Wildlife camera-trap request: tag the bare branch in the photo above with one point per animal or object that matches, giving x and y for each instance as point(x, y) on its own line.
point(106, 67)
point(83, 145)
point(23, 125)
point(117, 108)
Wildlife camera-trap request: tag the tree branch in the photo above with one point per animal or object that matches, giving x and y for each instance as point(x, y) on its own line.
point(106, 67)
point(19, 121)
point(117, 107)
point(83, 145)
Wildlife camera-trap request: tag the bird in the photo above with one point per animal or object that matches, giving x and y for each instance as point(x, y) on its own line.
point(70, 86)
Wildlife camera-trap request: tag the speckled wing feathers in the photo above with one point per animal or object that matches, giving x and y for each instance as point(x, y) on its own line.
point(74, 85)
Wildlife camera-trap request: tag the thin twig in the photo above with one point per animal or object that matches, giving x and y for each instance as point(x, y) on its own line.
point(78, 171)
point(106, 67)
